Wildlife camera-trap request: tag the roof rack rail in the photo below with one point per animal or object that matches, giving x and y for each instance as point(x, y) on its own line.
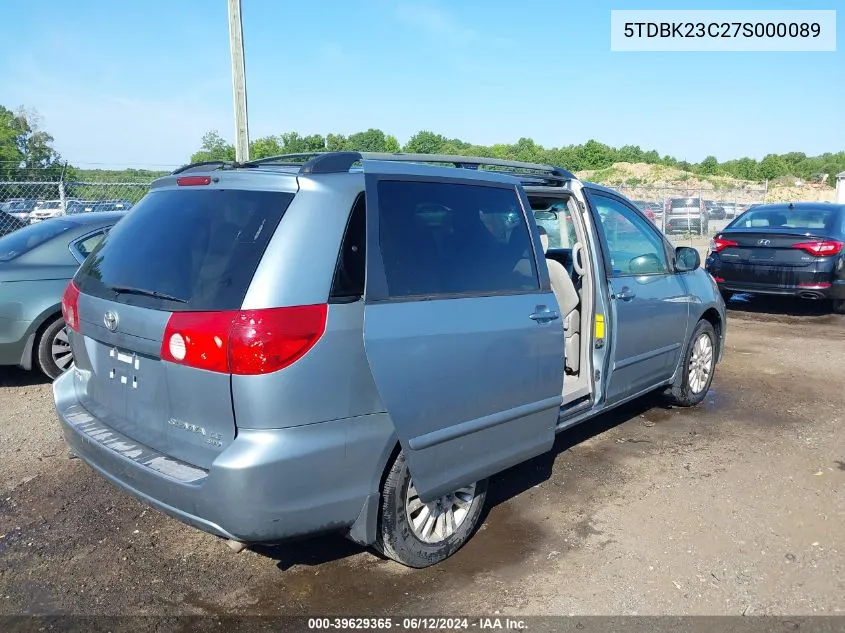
point(474, 162)
point(340, 162)
point(204, 165)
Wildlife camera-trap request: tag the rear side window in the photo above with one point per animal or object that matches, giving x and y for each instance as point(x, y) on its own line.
point(25, 239)
point(350, 269)
point(179, 250)
point(453, 239)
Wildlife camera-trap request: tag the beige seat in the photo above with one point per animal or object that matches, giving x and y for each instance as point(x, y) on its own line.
point(568, 300)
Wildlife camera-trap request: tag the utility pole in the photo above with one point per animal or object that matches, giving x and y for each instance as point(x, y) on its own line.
point(236, 46)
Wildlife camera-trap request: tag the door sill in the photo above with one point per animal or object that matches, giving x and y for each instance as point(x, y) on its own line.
point(573, 409)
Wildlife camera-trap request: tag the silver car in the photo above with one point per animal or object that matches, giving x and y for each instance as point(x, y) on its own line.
point(356, 343)
point(36, 263)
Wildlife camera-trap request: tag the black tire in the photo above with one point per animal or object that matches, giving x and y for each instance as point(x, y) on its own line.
point(44, 352)
point(682, 393)
point(397, 539)
point(838, 306)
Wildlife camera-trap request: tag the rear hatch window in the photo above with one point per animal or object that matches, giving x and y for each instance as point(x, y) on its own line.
point(25, 239)
point(185, 250)
point(682, 205)
point(810, 220)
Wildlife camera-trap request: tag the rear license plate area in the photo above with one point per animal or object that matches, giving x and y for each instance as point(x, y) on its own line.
point(124, 367)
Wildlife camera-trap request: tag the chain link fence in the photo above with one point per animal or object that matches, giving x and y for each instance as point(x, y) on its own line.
point(690, 216)
point(32, 197)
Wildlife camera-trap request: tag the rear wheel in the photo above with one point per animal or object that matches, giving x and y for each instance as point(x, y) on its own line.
point(419, 534)
point(696, 373)
point(839, 306)
point(54, 353)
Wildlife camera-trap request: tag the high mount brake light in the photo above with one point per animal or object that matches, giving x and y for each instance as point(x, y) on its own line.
point(192, 181)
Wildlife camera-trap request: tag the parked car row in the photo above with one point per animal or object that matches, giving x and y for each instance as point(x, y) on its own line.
point(33, 211)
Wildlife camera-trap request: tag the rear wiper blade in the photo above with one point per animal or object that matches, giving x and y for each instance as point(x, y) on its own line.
point(128, 290)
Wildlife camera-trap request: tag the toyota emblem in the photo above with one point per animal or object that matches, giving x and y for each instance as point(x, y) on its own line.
point(110, 321)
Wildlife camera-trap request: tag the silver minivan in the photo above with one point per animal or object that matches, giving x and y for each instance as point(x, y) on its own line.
point(355, 343)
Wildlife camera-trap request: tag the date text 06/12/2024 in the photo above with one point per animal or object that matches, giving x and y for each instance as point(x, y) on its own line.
point(494, 623)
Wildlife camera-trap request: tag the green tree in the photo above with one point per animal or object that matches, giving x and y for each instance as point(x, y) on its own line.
point(425, 142)
point(370, 141)
point(11, 152)
point(630, 154)
point(743, 168)
point(213, 147)
point(264, 147)
point(597, 155)
point(772, 166)
point(709, 166)
point(336, 143)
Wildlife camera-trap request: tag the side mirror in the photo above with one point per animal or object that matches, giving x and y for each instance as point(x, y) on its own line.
point(545, 216)
point(645, 264)
point(686, 259)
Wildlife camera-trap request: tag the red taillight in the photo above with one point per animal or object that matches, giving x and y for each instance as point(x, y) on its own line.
point(719, 243)
point(719, 280)
point(70, 306)
point(819, 286)
point(820, 248)
point(190, 181)
point(245, 342)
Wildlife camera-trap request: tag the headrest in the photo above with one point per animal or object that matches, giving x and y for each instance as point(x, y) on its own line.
point(544, 238)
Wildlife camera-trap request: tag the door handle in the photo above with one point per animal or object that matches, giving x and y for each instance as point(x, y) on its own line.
point(626, 294)
point(544, 317)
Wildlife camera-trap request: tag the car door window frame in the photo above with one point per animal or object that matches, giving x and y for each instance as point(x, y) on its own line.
point(647, 225)
point(376, 288)
point(74, 245)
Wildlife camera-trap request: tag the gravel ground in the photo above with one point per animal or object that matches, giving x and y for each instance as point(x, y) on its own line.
point(734, 507)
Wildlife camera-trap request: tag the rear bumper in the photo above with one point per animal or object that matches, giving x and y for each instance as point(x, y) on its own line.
point(683, 224)
point(811, 291)
point(268, 485)
point(818, 281)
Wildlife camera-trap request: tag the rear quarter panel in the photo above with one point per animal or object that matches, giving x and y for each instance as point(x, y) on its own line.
point(24, 307)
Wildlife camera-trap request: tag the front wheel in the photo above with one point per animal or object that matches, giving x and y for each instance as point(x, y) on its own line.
point(419, 534)
point(696, 373)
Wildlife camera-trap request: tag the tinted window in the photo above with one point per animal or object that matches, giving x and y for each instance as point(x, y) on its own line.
point(351, 262)
point(680, 203)
point(557, 221)
point(30, 236)
point(453, 239)
point(802, 219)
point(634, 246)
point(201, 247)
